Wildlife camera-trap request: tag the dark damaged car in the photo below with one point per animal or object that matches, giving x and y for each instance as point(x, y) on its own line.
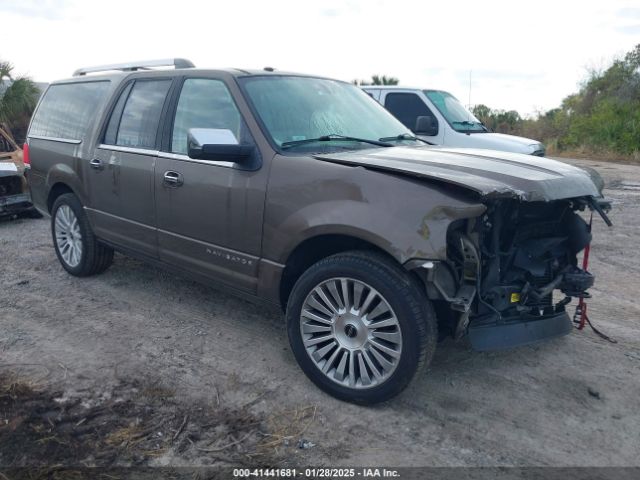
point(14, 193)
point(306, 193)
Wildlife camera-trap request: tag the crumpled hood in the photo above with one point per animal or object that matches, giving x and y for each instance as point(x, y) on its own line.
point(488, 172)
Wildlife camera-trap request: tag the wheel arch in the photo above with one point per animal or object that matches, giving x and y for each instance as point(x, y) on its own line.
point(314, 249)
point(62, 178)
point(56, 190)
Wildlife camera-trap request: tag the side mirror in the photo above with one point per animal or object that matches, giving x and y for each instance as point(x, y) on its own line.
point(216, 144)
point(426, 125)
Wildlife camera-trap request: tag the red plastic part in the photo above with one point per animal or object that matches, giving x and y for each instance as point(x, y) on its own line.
point(25, 154)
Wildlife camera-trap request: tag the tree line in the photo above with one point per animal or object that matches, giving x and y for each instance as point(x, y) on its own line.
point(601, 118)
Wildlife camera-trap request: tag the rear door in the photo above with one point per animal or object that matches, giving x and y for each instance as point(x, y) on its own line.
point(121, 175)
point(210, 219)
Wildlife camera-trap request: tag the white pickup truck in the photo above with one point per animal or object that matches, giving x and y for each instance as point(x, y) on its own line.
point(440, 119)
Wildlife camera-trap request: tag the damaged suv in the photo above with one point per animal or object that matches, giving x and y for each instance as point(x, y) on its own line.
point(305, 192)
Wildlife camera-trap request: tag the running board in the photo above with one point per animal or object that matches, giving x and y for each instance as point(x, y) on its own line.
point(498, 336)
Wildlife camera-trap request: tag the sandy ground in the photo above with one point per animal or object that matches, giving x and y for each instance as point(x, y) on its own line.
point(571, 401)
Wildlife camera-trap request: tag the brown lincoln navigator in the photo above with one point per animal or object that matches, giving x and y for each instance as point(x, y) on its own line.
point(303, 191)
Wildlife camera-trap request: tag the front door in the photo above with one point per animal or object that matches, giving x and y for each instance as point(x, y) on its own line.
point(120, 173)
point(209, 213)
point(407, 107)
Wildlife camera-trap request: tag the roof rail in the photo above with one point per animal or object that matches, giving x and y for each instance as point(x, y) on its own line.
point(133, 66)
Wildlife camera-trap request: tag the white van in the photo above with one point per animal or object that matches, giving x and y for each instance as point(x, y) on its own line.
point(440, 119)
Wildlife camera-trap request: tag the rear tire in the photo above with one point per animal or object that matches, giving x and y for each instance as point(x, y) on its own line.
point(357, 351)
point(77, 248)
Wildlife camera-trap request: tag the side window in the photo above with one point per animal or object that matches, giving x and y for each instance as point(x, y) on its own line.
point(204, 103)
point(67, 110)
point(407, 107)
point(135, 118)
point(114, 122)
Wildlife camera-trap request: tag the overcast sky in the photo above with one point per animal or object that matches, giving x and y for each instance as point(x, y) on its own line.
point(525, 56)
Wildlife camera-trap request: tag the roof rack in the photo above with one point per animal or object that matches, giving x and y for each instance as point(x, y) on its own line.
point(133, 66)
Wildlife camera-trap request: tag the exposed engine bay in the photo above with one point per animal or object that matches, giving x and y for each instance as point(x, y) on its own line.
point(511, 272)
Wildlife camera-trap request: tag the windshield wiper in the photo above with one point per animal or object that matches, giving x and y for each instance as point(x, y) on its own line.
point(404, 136)
point(468, 123)
point(334, 137)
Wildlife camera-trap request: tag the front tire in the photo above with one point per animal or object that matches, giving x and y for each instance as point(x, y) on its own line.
point(360, 327)
point(77, 248)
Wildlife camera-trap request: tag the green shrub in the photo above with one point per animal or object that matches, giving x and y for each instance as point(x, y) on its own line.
point(603, 116)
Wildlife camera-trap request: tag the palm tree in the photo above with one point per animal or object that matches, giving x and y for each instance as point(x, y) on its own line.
point(18, 98)
point(377, 80)
point(384, 80)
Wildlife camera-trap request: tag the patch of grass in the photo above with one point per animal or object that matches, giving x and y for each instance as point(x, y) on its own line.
point(12, 388)
point(597, 155)
point(288, 427)
point(139, 422)
point(157, 390)
point(124, 436)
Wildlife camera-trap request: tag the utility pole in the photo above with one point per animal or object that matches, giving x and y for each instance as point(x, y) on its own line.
point(469, 104)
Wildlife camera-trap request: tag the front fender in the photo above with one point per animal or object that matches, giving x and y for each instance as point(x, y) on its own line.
point(406, 217)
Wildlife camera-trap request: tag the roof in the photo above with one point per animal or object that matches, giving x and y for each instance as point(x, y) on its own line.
point(392, 87)
point(233, 72)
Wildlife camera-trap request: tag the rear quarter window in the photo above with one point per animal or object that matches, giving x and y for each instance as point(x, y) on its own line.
point(67, 110)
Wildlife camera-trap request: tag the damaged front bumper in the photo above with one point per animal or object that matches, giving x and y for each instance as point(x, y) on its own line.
point(525, 330)
point(492, 331)
point(14, 195)
point(503, 269)
point(14, 204)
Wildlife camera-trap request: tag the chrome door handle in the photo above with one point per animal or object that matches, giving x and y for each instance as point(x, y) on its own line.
point(96, 164)
point(173, 179)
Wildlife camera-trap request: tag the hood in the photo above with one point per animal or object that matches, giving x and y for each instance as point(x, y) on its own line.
point(490, 173)
point(509, 143)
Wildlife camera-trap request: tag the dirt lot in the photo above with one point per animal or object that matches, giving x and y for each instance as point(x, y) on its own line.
point(164, 369)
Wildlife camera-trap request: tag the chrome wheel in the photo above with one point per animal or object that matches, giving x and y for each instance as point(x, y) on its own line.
point(68, 236)
point(351, 333)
